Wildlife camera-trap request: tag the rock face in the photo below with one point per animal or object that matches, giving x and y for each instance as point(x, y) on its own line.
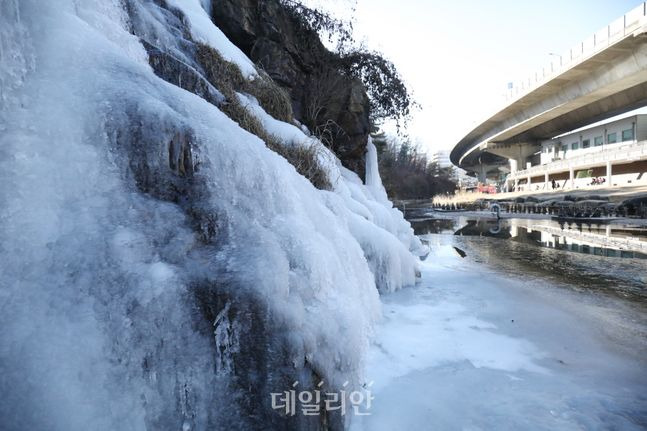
point(251, 355)
point(178, 73)
point(171, 270)
point(331, 104)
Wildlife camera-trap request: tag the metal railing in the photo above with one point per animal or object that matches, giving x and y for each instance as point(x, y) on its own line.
point(614, 153)
point(617, 30)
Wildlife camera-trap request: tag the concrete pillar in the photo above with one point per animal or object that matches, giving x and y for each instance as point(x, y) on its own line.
point(513, 166)
point(609, 169)
point(516, 185)
point(482, 177)
point(546, 181)
point(571, 177)
point(528, 183)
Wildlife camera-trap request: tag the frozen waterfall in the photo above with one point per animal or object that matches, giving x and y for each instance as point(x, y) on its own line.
point(161, 267)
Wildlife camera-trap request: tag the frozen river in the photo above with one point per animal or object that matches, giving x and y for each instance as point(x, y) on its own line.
point(484, 343)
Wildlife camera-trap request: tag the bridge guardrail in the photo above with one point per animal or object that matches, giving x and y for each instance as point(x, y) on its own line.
point(615, 31)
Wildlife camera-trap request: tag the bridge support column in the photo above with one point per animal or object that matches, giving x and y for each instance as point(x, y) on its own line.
point(482, 175)
point(513, 165)
point(571, 177)
point(609, 173)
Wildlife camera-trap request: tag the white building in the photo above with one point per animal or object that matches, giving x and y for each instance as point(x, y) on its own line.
point(609, 154)
point(441, 158)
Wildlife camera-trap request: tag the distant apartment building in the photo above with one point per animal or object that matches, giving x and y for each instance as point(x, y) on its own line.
point(458, 175)
point(609, 154)
point(441, 158)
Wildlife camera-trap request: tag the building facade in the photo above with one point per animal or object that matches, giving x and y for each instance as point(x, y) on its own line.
point(441, 158)
point(609, 154)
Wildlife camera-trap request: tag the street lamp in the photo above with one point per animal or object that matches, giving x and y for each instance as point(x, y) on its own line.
point(556, 55)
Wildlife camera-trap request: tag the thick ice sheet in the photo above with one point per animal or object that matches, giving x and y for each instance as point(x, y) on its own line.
point(473, 349)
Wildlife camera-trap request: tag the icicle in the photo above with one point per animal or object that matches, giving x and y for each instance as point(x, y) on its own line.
point(373, 180)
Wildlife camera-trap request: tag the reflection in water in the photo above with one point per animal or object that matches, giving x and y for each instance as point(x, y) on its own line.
point(609, 241)
point(607, 257)
point(484, 228)
point(423, 226)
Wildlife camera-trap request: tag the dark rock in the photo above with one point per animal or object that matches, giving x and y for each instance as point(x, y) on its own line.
point(184, 76)
point(460, 252)
point(253, 353)
point(257, 354)
point(176, 62)
point(331, 104)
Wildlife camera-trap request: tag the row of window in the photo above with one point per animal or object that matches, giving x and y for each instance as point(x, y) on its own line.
point(612, 138)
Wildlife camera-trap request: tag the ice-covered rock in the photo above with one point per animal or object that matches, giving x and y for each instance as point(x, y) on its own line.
point(161, 267)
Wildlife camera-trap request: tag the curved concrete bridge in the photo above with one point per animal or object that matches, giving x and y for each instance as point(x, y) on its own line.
point(600, 77)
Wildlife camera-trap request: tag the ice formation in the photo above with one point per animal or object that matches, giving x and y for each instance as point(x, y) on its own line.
point(475, 348)
point(161, 267)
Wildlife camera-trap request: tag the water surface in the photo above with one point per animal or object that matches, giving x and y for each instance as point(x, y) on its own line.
point(604, 258)
point(507, 334)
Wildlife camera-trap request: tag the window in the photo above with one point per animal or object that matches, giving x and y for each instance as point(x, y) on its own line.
point(575, 145)
point(597, 141)
point(628, 135)
point(564, 148)
point(586, 143)
point(612, 138)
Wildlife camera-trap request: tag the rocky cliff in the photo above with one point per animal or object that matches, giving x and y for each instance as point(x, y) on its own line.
point(331, 104)
point(175, 250)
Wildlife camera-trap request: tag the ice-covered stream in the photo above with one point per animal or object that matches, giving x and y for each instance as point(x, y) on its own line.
point(475, 348)
point(161, 268)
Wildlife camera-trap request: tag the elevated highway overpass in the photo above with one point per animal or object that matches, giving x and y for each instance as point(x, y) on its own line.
point(602, 76)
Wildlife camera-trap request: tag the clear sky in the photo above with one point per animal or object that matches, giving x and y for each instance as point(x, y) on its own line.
point(458, 55)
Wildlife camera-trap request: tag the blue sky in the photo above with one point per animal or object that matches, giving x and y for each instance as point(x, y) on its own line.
point(458, 55)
